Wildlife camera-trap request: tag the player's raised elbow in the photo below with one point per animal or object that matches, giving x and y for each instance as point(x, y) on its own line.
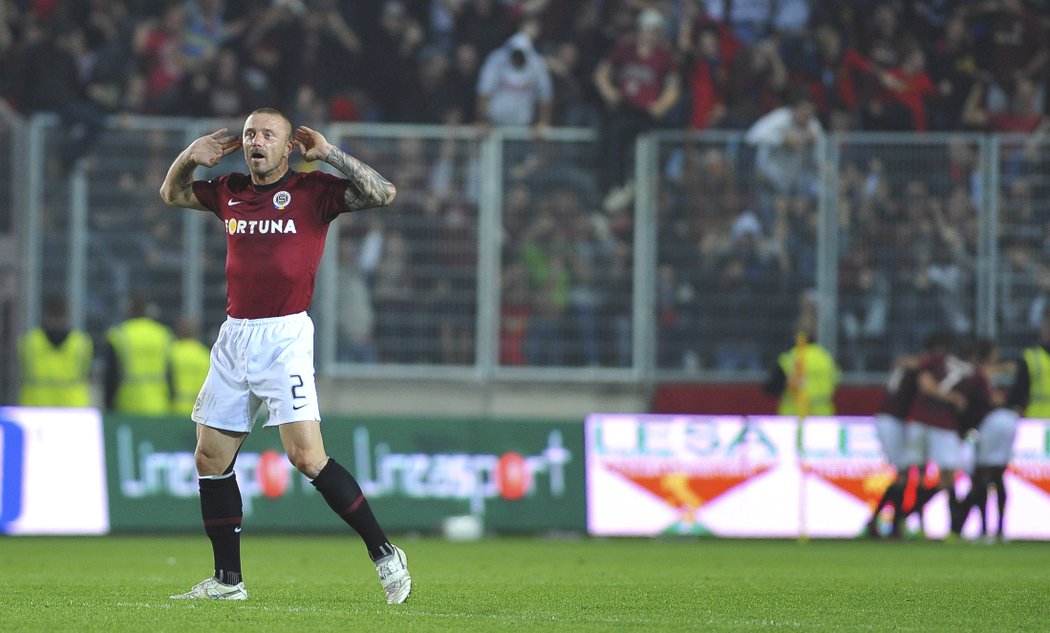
point(166, 194)
point(388, 194)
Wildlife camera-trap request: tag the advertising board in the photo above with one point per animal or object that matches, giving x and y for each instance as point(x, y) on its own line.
point(516, 476)
point(52, 473)
point(759, 476)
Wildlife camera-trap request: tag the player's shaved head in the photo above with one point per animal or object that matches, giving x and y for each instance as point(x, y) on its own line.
point(273, 112)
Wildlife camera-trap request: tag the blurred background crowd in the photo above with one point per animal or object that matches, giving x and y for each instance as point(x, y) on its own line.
point(737, 232)
point(871, 65)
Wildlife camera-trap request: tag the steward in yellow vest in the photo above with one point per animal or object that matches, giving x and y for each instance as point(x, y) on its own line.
point(189, 366)
point(55, 361)
point(138, 365)
point(1030, 392)
point(804, 375)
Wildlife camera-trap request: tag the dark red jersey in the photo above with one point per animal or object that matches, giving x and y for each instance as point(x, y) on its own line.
point(275, 235)
point(978, 394)
point(901, 387)
point(948, 371)
point(639, 78)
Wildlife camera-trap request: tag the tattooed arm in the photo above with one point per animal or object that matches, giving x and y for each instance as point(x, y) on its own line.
point(177, 188)
point(367, 188)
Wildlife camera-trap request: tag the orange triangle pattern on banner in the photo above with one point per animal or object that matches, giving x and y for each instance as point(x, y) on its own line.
point(680, 488)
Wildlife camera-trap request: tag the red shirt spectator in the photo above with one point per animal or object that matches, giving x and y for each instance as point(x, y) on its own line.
point(640, 73)
point(911, 86)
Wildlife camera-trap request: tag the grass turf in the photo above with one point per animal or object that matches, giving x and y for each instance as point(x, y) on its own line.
point(316, 583)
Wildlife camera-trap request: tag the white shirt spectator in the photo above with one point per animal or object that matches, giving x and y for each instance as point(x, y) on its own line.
point(788, 143)
point(513, 81)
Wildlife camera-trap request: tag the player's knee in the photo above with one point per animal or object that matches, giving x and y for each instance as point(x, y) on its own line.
point(208, 464)
point(306, 461)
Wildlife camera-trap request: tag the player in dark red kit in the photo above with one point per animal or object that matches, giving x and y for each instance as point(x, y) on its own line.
point(980, 403)
point(901, 440)
point(935, 409)
point(275, 221)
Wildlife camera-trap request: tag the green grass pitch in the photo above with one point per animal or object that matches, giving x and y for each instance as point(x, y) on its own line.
point(325, 583)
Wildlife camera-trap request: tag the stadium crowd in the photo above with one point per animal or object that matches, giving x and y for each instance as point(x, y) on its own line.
point(872, 65)
point(737, 230)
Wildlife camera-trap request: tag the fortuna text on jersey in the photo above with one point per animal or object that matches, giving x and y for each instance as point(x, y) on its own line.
point(252, 227)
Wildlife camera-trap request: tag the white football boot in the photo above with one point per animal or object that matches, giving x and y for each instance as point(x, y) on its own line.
point(212, 589)
point(393, 574)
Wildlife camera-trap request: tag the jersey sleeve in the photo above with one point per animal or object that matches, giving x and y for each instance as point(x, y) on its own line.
point(207, 192)
point(330, 194)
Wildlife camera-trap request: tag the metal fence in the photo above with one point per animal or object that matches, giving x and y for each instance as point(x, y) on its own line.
point(499, 260)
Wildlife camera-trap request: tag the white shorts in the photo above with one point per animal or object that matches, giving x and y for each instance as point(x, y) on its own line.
point(256, 363)
point(902, 442)
point(942, 446)
point(995, 440)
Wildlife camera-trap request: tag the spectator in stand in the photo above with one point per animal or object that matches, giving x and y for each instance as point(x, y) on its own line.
point(434, 102)
point(46, 78)
point(832, 71)
point(751, 20)
point(907, 90)
point(462, 81)
point(571, 105)
point(1021, 114)
point(220, 90)
point(484, 24)
point(864, 298)
point(709, 49)
point(788, 145)
point(389, 62)
point(881, 38)
point(357, 325)
point(514, 314)
point(953, 69)
point(543, 253)
point(706, 75)
point(1015, 47)
point(757, 81)
point(206, 32)
point(159, 44)
point(639, 83)
point(514, 87)
point(325, 52)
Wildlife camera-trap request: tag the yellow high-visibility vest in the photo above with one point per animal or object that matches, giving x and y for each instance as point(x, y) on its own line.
point(189, 366)
point(143, 350)
point(55, 376)
point(819, 382)
point(1038, 362)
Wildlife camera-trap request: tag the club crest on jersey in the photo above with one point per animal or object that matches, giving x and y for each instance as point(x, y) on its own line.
point(281, 199)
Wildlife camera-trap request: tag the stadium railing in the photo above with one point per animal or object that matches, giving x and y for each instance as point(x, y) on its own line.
point(502, 260)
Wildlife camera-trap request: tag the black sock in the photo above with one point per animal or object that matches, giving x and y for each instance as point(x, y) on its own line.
point(344, 496)
point(923, 496)
point(221, 511)
point(1000, 496)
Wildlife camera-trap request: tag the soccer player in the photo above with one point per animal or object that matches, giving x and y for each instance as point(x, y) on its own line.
point(935, 409)
point(1029, 395)
point(275, 221)
point(901, 440)
point(996, 427)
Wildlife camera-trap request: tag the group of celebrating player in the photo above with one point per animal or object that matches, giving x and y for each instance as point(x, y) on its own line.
point(938, 400)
